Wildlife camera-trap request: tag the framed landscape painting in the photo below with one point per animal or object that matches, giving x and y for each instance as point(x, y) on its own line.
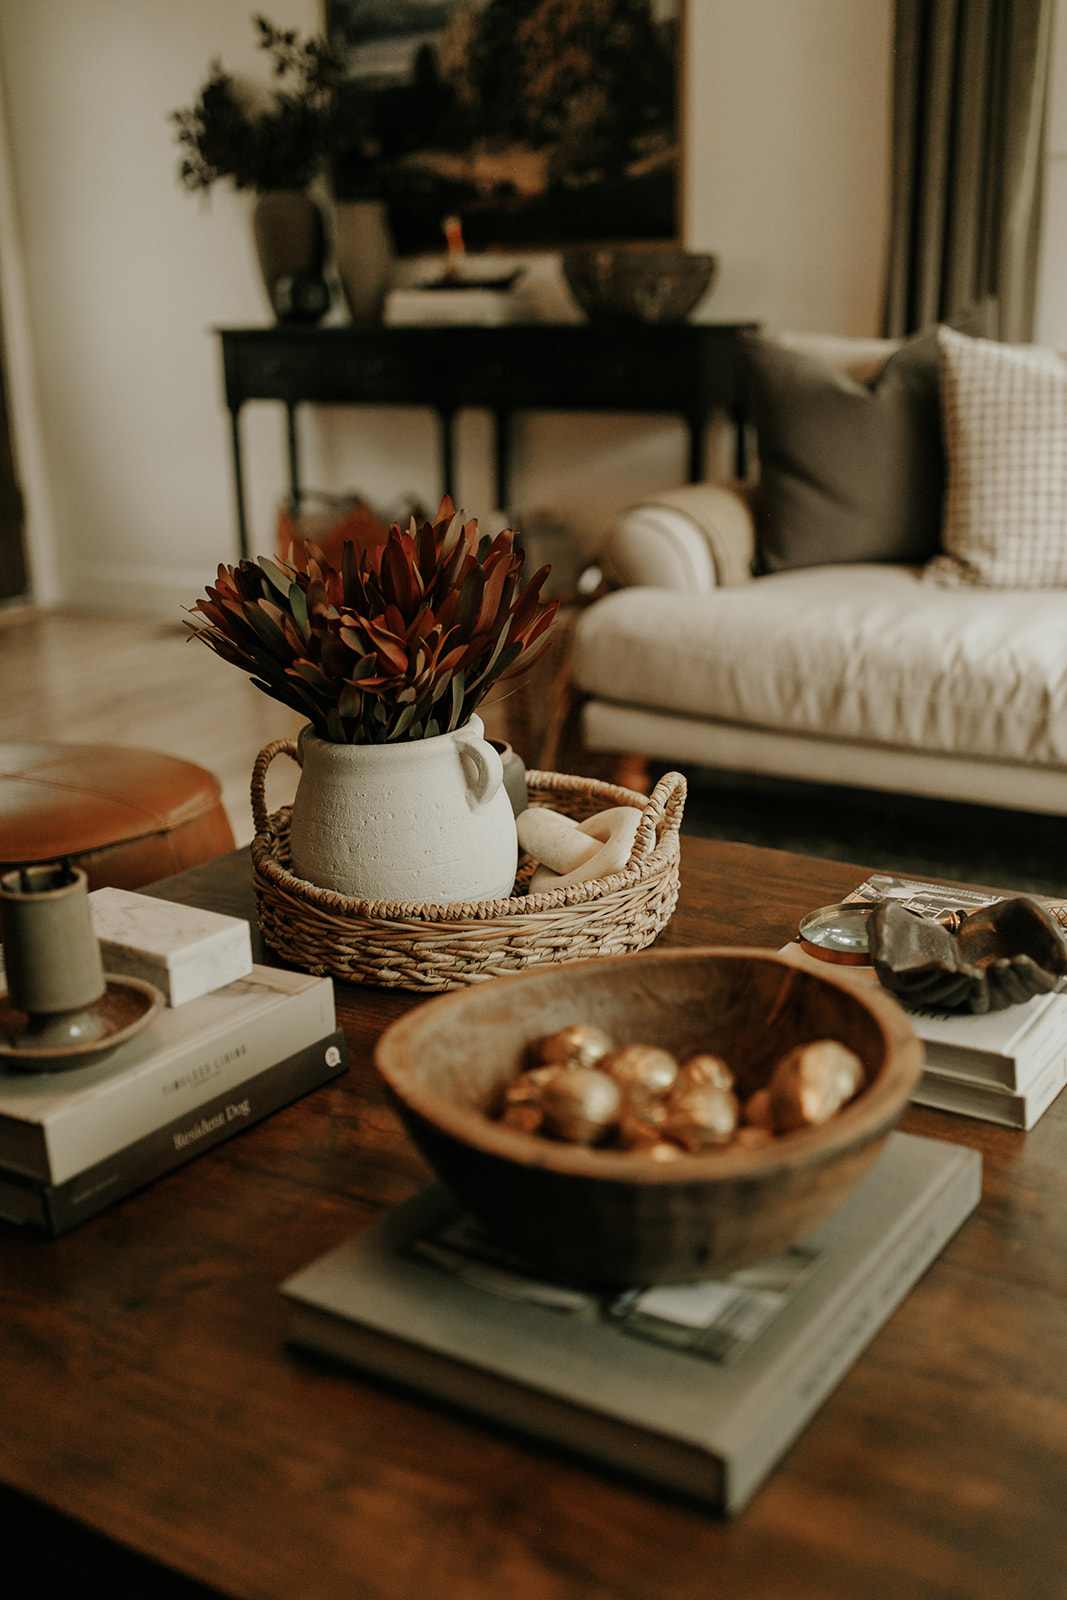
point(537, 122)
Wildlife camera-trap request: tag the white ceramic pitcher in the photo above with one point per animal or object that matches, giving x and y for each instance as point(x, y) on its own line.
point(427, 821)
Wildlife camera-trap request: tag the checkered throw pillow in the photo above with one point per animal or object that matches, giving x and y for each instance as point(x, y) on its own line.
point(1005, 418)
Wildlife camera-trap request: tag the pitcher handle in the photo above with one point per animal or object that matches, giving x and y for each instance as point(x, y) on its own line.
point(483, 769)
point(280, 747)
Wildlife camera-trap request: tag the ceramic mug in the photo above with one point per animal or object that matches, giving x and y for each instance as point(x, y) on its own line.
point(51, 954)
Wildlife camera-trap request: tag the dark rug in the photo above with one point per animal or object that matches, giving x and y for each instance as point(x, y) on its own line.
point(1025, 852)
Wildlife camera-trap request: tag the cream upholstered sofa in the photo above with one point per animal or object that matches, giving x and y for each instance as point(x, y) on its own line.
point(941, 674)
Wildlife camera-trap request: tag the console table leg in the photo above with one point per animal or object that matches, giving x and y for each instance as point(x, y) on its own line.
point(502, 458)
point(697, 431)
point(294, 463)
point(238, 485)
point(446, 418)
point(741, 456)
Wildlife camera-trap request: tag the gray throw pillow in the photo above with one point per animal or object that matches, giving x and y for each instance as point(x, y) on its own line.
point(849, 471)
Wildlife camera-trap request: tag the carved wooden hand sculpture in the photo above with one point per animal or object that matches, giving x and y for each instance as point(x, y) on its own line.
point(1000, 956)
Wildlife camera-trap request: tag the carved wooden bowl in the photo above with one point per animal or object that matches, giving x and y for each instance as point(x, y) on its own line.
point(637, 282)
point(625, 1218)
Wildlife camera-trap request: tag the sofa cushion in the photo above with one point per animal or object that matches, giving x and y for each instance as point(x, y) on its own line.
point(849, 470)
point(1005, 409)
point(863, 652)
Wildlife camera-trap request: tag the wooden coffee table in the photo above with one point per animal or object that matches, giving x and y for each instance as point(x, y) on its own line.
point(158, 1437)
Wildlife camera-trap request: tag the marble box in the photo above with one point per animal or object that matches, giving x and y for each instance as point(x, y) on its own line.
point(183, 950)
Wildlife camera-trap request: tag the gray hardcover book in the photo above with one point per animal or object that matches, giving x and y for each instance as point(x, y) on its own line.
point(55, 1208)
point(55, 1124)
point(649, 1382)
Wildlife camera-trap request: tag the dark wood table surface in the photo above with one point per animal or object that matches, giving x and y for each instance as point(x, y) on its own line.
point(161, 1438)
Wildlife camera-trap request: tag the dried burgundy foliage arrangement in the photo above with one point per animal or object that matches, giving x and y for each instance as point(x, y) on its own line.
point(402, 642)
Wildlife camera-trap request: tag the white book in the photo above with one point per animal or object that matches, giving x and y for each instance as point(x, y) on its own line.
point(583, 1371)
point(55, 1124)
point(1004, 1049)
point(948, 1091)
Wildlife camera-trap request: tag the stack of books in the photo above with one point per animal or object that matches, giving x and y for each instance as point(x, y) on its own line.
point(76, 1140)
point(698, 1388)
point(1006, 1066)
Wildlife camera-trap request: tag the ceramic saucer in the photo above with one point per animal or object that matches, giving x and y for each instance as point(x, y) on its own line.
point(126, 1006)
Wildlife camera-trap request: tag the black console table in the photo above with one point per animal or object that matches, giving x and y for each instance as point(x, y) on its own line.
point(688, 369)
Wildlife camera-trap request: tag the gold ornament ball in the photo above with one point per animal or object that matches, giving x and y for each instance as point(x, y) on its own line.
point(812, 1083)
point(528, 1086)
point(642, 1070)
point(580, 1105)
point(578, 1045)
point(705, 1071)
point(702, 1119)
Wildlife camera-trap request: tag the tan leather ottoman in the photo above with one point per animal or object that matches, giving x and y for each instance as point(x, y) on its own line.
point(127, 817)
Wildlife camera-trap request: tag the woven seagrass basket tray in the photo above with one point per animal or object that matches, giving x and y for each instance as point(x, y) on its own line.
point(406, 945)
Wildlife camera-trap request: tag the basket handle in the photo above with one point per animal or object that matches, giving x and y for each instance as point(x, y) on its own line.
point(287, 747)
point(665, 805)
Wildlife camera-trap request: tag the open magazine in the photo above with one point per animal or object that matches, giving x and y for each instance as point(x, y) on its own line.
point(716, 1319)
point(934, 900)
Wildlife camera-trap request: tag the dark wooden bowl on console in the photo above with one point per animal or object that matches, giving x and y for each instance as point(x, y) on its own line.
point(637, 282)
point(620, 1217)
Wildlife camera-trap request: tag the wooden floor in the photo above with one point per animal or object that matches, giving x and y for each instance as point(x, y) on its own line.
point(121, 680)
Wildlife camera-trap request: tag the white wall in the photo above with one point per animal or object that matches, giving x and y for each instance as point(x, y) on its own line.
point(788, 158)
point(121, 430)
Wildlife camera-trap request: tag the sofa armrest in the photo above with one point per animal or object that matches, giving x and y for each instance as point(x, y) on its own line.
point(698, 537)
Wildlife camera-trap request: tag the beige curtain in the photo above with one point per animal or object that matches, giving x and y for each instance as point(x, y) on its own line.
point(969, 97)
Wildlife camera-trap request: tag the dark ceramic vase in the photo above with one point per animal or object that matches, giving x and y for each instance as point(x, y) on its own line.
point(290, 240)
